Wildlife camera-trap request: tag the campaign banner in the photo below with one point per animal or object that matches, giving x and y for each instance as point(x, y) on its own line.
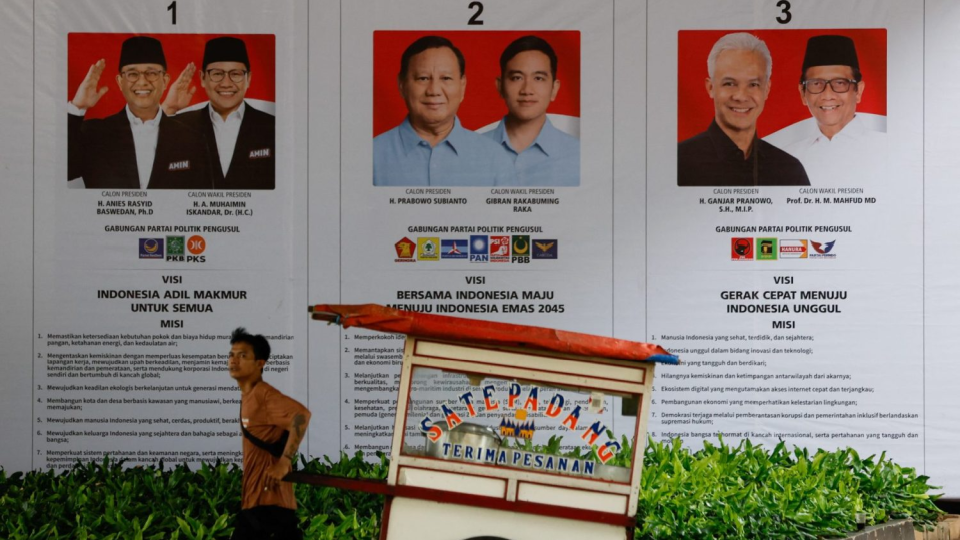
point(789, 149)
point(781, 218)
point(182, 133)
point(475, 178)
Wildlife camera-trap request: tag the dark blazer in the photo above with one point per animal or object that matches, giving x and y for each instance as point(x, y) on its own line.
point(712, 159)
point(253, 163)
point(102, 152)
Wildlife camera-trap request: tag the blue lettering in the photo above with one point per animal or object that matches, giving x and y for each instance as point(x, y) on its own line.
point(446, 449)
point(457, 450)
point(513, 395)
point(570, 422)
point(575, 467)
point(538, 461)
point(588, 467)
point(550, 465)
point(556, 406)
point(517, 456)
point(491, 455)
point(468, 452)
point(562, 464)
point(467, 398)
point(502, 457)
point(526, 459)
point(532, 403)
point(453, 419)
point(489, 403)
point(591, 433)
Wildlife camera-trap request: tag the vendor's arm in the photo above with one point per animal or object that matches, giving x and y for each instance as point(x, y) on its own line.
point(297, 429)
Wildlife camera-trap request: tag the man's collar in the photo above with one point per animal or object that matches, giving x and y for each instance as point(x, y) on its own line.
point(134, 120)
point(500, 133)
point(854, 129)
point(215, 116)
point(410, 139)
point(548, 140)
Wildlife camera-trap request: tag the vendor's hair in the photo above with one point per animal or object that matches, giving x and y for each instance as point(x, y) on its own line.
point(259, 344)
point(741, 41)
point(430, 42)
point(529, 43)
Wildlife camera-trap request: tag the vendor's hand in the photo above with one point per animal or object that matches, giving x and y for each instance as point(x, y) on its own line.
point(276, 472)
point(88, 94)
point(180, 92)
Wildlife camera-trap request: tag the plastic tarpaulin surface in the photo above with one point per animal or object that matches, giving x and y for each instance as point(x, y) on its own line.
point(384, 319)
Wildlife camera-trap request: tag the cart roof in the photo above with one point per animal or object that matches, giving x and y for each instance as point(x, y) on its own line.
point(384, 319)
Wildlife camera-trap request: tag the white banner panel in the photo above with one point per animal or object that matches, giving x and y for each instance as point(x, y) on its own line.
point(791, 237)
point(941, 246)
point(16, 232)
point(448, 235)
point(137, 289)
point(795, 298)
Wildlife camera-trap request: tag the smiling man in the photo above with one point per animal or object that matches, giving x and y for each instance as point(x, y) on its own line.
point(542, 154)
point(838, 146)
point(138, 147)
point(273, 427)
point(729, 153)
point(430, 147)
point(240, 137)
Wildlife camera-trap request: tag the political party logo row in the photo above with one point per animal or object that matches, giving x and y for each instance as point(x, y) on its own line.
point(479, 248)
point(771, 249)
point(174, 248)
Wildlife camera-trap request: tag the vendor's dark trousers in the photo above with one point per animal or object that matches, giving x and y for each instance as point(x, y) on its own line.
point(267, 523)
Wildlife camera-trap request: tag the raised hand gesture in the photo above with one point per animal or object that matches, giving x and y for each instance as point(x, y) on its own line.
point(88, 94)
point(180, 92)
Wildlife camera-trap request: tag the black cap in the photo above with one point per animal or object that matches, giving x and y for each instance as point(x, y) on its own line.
point(830, 51)
point(142, 50)
point(225, 49)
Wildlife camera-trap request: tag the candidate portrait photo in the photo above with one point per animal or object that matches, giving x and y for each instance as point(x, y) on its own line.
point(161, 111)
point(781, 107)
point(515, 124)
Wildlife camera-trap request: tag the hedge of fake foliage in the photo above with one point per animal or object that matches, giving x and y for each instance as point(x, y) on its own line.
point(748, 491)
point(718, 492)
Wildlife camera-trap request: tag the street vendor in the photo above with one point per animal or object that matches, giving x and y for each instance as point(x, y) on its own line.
point(273, 427)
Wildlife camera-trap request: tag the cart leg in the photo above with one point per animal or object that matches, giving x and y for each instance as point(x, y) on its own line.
point(385, 517)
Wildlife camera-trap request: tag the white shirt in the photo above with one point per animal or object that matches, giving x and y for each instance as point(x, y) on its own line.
point(145, 136)
point(855, 157)
point(226, 132)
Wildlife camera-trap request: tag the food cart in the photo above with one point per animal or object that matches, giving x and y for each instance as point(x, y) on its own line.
point(509, 432)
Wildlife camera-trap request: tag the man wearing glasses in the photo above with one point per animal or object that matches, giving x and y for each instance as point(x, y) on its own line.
point(138, 147)
point(838, 144)
point(729, 153)
point(241, 138)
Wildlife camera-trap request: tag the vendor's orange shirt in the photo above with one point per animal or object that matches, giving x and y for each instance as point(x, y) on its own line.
point(266, 413)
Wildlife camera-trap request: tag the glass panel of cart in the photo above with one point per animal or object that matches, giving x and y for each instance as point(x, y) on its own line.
point(540, 427)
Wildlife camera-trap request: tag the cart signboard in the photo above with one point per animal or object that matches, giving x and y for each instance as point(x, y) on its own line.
point(511, 432)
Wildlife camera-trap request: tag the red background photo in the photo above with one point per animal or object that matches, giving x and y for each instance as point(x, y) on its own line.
point(482, 104)
point(783, 107)
point(84, 49)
